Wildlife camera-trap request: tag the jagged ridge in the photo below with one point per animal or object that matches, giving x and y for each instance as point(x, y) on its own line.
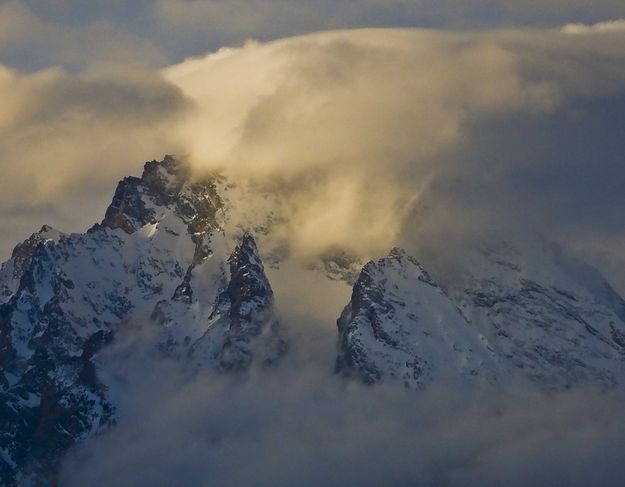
point(549, 319)
point(160, 254)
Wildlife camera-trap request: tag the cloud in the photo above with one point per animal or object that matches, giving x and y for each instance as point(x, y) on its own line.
point(224, 21)
point(302, 427)
point(30, 40)
point(66, 138)
point(357, 130)
point(73, 33)
point(608, 26)
point(369, 137)
point(345, 117)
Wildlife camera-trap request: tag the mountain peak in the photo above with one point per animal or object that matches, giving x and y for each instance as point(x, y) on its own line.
point(160, 256)
point(27, 248)
point(165, 177)
point(535, 313)
point(164, 187)
point(400, 326)
point(21, 258)
point(397, 253)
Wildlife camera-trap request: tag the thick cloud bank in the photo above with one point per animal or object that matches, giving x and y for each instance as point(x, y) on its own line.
point(304, 428)
point(380, 136)
point(417, 137)
point(349, 124)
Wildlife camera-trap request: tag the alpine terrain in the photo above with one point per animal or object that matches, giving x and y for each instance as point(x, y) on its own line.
point(539, 315)
point(160, 255)
point(178, 254)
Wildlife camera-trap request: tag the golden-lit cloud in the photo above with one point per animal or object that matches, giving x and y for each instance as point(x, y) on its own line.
point(360, 122)
point(607, 26)
point(65, 139)
point(355, 131)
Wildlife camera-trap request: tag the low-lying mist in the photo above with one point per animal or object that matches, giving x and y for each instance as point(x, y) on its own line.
point(302, 426)
point(297, 423)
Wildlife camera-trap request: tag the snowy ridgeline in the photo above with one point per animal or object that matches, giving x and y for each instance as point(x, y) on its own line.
point(549, 321)
point(175, 259)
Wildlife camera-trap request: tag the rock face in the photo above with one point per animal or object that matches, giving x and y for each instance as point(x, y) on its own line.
point(544, 317)
point(21, 258)
point(551, 318)
point(401, 326)
point(159, 256)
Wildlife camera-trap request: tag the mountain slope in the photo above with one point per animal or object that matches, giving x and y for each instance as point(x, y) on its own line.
point(544, 317)
point(551, 317)
point(400, 325)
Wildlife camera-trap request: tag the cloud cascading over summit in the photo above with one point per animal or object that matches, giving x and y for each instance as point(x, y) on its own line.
point(297, 161)
point(377, 135)
point(362, 131)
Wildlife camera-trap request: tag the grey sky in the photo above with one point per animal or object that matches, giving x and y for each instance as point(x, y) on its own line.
point(37, 33)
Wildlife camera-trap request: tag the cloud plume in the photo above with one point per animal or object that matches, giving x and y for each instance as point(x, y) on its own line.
point(607, 26)
point(370, 137)
point(362, 130)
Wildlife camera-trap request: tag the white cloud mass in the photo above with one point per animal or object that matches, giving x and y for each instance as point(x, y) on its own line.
point(607, 26)
point(363, 134)
point(359, 130)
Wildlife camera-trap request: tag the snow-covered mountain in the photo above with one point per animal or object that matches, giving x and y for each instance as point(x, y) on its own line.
point(400, 325)
point(160, 255)
point(540, 315)
point(178, 256)
point(549, 316)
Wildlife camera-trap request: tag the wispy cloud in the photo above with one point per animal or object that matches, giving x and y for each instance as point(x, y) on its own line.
point(365, 129)
point(607, 26)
